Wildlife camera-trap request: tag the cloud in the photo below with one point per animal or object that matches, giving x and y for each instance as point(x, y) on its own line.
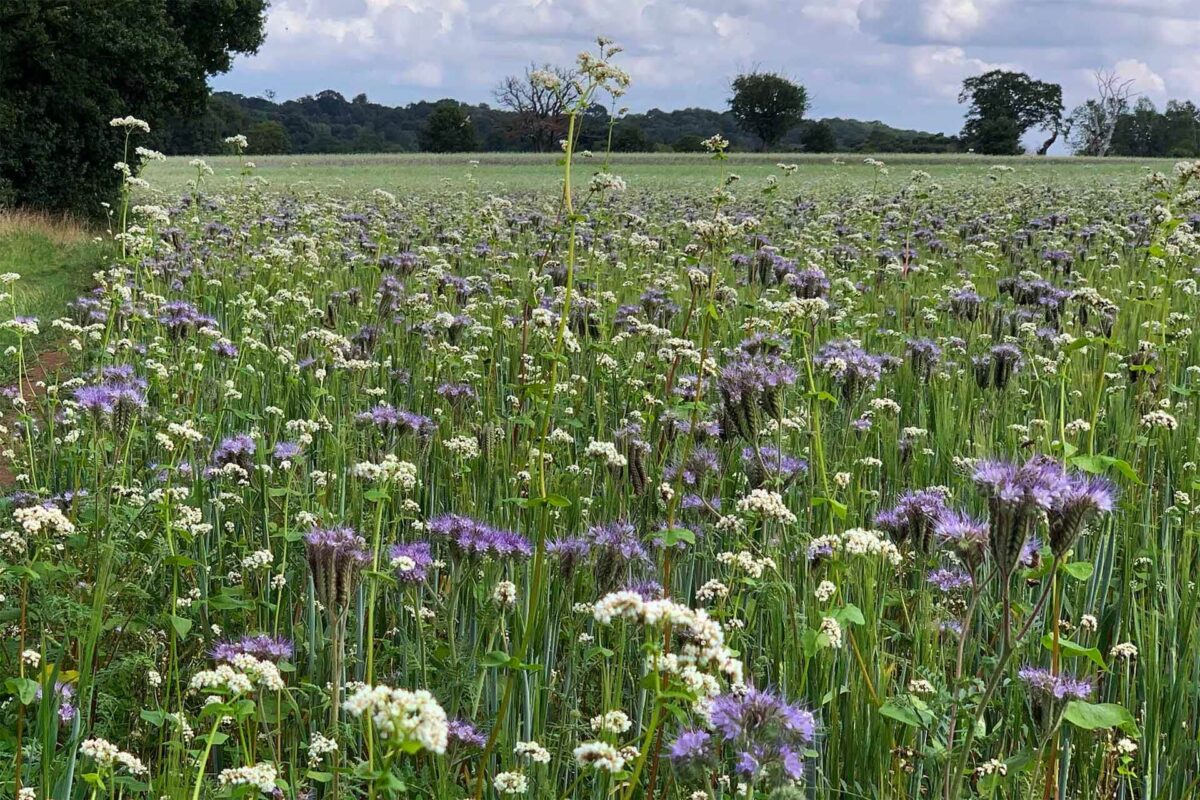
point(902, 61)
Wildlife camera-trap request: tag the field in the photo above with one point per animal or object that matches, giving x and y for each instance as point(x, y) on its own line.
point(847, 481)
point(524, 172)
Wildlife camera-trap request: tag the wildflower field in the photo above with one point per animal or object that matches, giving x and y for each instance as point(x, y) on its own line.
point(759, 487)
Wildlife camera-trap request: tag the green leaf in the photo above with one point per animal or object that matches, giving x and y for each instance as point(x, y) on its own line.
point(496, 658)
point(851, 613)
point(1074, 649)
point(558, 501)
point(901, 713)
point(25, 689)
point(376, 495)
point(676, 535)
point(1095, 716)
point(181, 625)
point(1079, 570)
point(1100, 464)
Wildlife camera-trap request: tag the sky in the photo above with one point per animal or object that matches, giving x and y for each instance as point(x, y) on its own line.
point(900, 61)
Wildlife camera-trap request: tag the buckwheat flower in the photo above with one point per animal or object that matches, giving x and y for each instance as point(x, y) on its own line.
point(260, 776)
point(405, 720)
point(532, 751)
point(606, 452)
point(1126, 747)
point(319, 746)
point(31, 658)
point(618, 605)
point(1124, 650)
point(510, 783)
point(1088, 623)
point(920, 686)
point(1159, 420)
point(130, 124)
point(27, 793)
point(825, 591)
point(599, 755)
point(411, 561)
point(832, 631)
point(768, 505)
point(611, 722)
point(505, 594)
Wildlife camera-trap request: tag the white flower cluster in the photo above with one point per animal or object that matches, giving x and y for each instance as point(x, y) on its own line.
point(259, 559)
point(706, 640)
point(611, 722)
point(825, 591)
point(1159, 419)
point(240, 677)
point(463, 446)
point(766, 504)
point(606, 452)
point(390, 470)
point(599, 755)
point(260, 776)
point(319, 746)
point(36, 519)
point(857, 542)
point(533, 751)
point(106, 754)
point(511, 783)
point(746, 562)
point(402, 716)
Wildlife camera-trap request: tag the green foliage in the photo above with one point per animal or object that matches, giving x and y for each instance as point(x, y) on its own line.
point(448, 130)
point(66, 69)
point(767, 105)
point(817, 137)
point(1003, 106)
point(268, 138)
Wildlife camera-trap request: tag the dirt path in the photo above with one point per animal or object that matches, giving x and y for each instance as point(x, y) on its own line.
point(33, 385)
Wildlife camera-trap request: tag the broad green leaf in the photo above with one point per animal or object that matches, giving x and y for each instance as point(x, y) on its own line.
point(1074, 649)
point(1095, 716)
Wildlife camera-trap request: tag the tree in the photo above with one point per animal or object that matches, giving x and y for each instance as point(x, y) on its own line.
point(1004, 106)
point(268, 138)
point(448, 130)
point(817, 137)
point(1095, 121)
point(767, 105)
point(539, 109)
point(67, 68)
point(629, 138)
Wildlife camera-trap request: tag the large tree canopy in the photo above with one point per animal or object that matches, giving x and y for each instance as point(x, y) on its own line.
point(1004, 106)
point(67, 68)
point(767, 105)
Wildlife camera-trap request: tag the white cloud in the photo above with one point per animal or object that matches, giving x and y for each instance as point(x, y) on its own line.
point(941, 69)
point(1145, 80)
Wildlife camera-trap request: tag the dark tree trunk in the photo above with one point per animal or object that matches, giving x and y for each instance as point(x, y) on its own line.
point(1046, 145)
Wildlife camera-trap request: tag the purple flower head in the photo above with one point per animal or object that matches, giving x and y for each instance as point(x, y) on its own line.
point(475, 538)
point(851, 368)
point(411, 561)
point(262, 646)
point(1016, 494)
point(457, 394)
point(765, 728)
point(914, 518)
point(949, 580)
point(1060, 687)
point(1081, 498)
point(648, 590)
point(237, 449)
point(769, 465)
point(569, 552)
point(965, 536)
point(388, 418)
point(691, 746)
point(463, 733)
point(924, 355)
point(64, 693)
point(285, 451)
point(748, 386)
point(335, 557)
point(700, 462)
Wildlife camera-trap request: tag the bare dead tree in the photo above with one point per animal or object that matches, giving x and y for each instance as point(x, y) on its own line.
point(540, 110)
point(1115, 93)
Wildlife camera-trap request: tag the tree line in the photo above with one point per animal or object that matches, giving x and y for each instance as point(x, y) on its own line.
point(328, 122)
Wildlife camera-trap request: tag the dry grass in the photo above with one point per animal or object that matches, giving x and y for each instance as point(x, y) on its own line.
point(61, 229)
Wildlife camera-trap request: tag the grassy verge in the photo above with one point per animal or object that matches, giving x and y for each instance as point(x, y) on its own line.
point(55, 258)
